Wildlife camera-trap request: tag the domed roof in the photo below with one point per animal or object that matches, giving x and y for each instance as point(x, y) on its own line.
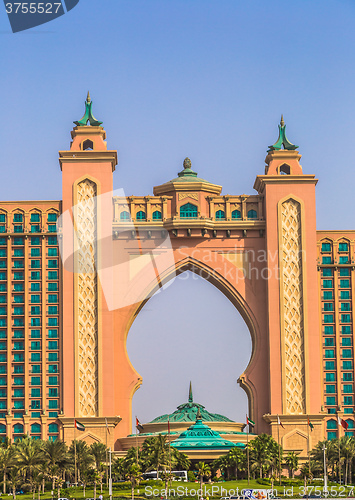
point(188, 175)
point(200, 436)
point(187, 412)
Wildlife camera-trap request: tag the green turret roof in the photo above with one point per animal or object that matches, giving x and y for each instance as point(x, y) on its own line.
point(200, 436)
point(187, 412)
point(282, 140)
point(187, 174)
point(88, 116)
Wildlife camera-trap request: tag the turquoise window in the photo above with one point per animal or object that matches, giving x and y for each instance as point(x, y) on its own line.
point(328, 306)
point(35, 356)
point(34, 240)
point(18, 322)
point(53, 345)
point(19, 346)
point(18, 381)
point(53, 392)
point(52, 287)
point(3, 252)
point(53, 298)
point(2, 311)
point(329, 365)
point(2, 241)
point(35, 275)
point(3, 287)
point(18, 275)
point(52, 240)
point(3, 346)
point(2, 229)
point(35, 334)
point(36, 368)
point(345, 318)
point(346, 330)
point(328, 318)
point(35, 217)
point(52, 334)
point(346, 341)
point(188, 211)
point(35, 429)
point(3, 334)
point(125, 215)
point(35, 321)
point(18, 218)
point(35, 346)
point(141, 215)
point(18, 241)
point(326, 260)
point(252, 214)
point(2, 357)
point(345, 295)
point(18, 428)
point(53, 403)
point(19, 393)
point(19, 310)
point(52, 414)
point(36, 414)
point(18, 228)
point(18, 369)
point(52, 321)
point(18, 264)
point(236, 214)
point(35, 380)
point(53, 428)
point(18, 358)
point(344, 284)
point(327, 283)
point(36, 393)
point(18, 252)
point(343, 247)
point(53, 380)
point(3, 299)
point(52, 356)
point(157, 215)
point(2, 276)
point(347, 377)
point(52, 217)
point(348, 388)
point(330, 400)
point(3, 264)
point(3, 406)
point(35, 404)
point(52, 252)
point(331, 424)
point(329, 342)
point(2, 369)
point(350, 423)
point(344, 272)
point(18, 299)
point(330, 377)
point(331, 435)
point(52, 275)
point(2, 321)
point(220, 214)
point(52, 368)
point(35, 228)
point(345, 306)
point(327, 271)
point(35, 299)
point(2, 380)
point(35, 287)
point(2, 217)
point(329, 353)
point(348, 400)
point(326, 247)
point(52, 228)
point(343, 259)
point(52, 309)
point(53, 263)
point(346, 353)
point(35, 264)
point(330, 389)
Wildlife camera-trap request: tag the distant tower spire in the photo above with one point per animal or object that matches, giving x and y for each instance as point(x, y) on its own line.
point(88, 99)
point(282, 123)
point(88, 116)
point(198, 416)
point(282, 140)
point(191, 399)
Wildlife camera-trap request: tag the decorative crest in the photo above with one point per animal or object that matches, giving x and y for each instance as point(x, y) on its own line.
point(88, 116)
point(198, 416)
point(191, 399)
point(282, 140)
point(187, 172)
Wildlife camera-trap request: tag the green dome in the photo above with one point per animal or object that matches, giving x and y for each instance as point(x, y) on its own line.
point(188, 175)
point(187, 412)
point(200, 436)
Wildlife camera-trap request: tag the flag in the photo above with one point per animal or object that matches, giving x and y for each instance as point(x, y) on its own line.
point(139, 426)
point(250, 422)
point(279, 422)
point(79, 426)
point(342, 422)
point(108, 430)
point(311, 426)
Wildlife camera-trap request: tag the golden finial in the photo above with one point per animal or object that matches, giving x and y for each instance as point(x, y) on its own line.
point(282, 123)
point(88, 99)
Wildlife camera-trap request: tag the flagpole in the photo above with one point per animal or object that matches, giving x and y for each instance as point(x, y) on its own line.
point(309, 456)
point(339, 426)
point(278, 442)
point(75, 471)
point(106, 455)
point(169, 449)
point(248, 454)
point(136, 442)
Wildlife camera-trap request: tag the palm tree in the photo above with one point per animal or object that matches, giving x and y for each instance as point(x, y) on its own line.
point(203, 471)
point(7, 461)
point(83, 456)
point(306, 474)
point(292, 463)
point(133, 475)
point(15, 479)
point(237, 459)
point(55, 456)
point(99, 453)
point(262, 449)
point(29, 456)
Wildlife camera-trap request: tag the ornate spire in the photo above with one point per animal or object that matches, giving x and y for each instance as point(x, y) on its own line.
point(187, 172)
point(191, 399)
point(198, 416)
point(88, 116)
point(282, 140)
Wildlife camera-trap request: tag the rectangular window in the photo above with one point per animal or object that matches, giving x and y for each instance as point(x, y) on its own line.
point(344, 284)
point(3, 299)
point(330, 389)
point(36, 346)
point(52, 263)
point(3, 264)
point(346, 353)
point(52, 414)
point(35, 321)
point(327, 272)
point(53, 404)
point(343, 247)
point(19, 380)
point(35, 334)
point(18, 264)
point(18, 275)
point(18, 369)
point(19, 346)
point(52, 368)
point(18, 252)
point(35, 264)
point(18, 241)
point(347, 377)
point(18, 393)
point(35, 287)
point(18, 228)
point(36, 368)
point(2, 217)
point(2, 276)
point(3, 311)
point(52, 287)
point(328, 284)
point(35, 252)
point(329, 342)
point(53, 334)
point(52, 252)
point(52, 356)
point(348, 388)
point(52, 275)
point(18, 287)
point(52, 321)
point(343, 259)
point(53, 380)
point(345, 306)
point(2, 380)
point(36, 414)
point(53, 392)
point(35, 275)
point(3, 393)
point(35, 217)
point(2, 321)
point(35, 356)
point(35, 299)
point(53, 298)
point(326, 247)
point(36, 393)
point(53, 345)
point(35, 240)
point(344, 272)
point(52, 309)
point(330, 377)
point(346, 341)
point(18, 322)
point(52, 240)
point(329, 353)
point(326, 260)
point(328, 318)
point(19, 405)
point(347, 365)
point(3, 252)
point(35, 228)
point(36, 404)
point(345, 295)
point(2, 241)
point(52, 217)
point(18, 218)
point(330, 400)
point(52, 228)
point(18, 358)
point(36, 310)
point(19, 299)
point(18, 310)
point(346, 330)
point(328, 306)
point(2, 346)
point(348, 400)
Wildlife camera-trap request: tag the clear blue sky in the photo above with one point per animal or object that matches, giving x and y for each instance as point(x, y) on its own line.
point(175, 78)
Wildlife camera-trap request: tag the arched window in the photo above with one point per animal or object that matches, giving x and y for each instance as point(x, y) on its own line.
point(236, 214)
point(220, 215)
point(18, 429)
point(53, 428)
point(2, 429)
point(88, 145)
point(331, 424)
point(188, 211)
point(252, 214)
point(350, 423)
point(35, 217)
point(157, 215)
point(125, 215)
point(141, 215)
point(35, 429)
point(285, 169)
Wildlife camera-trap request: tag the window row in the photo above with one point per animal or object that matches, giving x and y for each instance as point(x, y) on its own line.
point(33, 240)
point(35, 428)
point(327, 247)
point(188, 211)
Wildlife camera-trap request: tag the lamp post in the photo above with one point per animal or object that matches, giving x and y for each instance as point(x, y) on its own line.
point(110, 479)
point(325, 472)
